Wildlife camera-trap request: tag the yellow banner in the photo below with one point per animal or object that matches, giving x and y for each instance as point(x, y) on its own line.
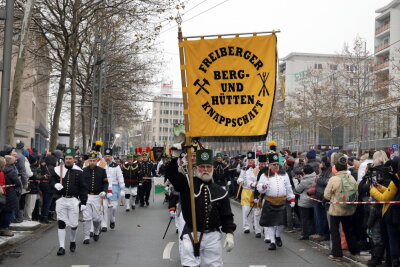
point(230, 85)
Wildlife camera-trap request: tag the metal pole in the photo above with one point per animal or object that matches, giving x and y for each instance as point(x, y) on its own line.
point(5, 79)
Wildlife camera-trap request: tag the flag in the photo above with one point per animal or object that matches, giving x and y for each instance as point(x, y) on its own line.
point(230, 85)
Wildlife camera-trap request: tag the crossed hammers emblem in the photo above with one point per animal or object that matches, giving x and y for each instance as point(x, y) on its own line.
point(202, 86)
point(264, 78)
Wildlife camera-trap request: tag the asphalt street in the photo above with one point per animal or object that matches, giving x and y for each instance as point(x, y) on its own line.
point(137, 241)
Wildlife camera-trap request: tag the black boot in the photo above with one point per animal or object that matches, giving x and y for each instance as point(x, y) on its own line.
point(91, 234)
point(96, 237)
point(272, 246)
point(44, 220)
point(377, 254)
point(61, 251)
point(112, 225)
point(72, 246)
point(86, 241)
point(278, 241)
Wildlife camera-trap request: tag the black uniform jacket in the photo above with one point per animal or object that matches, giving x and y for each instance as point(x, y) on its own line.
point(72, 181)
point(220, 174)
point(146, 171)
point(131, 174)
point(95, 179)
point(213, 209)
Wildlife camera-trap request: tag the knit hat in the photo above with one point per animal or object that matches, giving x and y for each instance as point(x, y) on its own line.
point(58, 153)
point(7, 149)
point(10, 159)
point(20, 144)
point(340, 160)
point(25, 153)
point(311, 154)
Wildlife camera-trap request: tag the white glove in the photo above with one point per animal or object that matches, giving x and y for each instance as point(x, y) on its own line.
point(172, 214)
point(256, 200)
point(58, 186)
point(83, 207)
point(252, 185)
point(228, 183)
point(166, 189)
point(229, 243)
point(109, 195)
point(292, 204)
point(122, 193)
point(102, 194)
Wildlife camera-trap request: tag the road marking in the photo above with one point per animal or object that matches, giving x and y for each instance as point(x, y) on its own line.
point(258, 266)
point(167, 251)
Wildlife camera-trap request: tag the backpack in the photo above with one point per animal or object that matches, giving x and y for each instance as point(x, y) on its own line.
point(348, 191)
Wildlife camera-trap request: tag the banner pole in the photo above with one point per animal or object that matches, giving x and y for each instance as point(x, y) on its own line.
point(187, 137)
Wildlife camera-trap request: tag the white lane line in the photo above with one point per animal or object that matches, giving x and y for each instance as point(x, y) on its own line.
point(167, 251)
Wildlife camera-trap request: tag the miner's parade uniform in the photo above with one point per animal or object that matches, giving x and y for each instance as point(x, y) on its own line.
point(116, 181)
point(130, 171)
point(71, 190)
point(96, 179)
point(248, 179)
point(213, 213)
point(277, 189)
point(147, 172)
point(221, 175)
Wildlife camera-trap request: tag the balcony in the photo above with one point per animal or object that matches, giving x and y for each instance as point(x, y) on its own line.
point(382, 29)
point(381, 66)
point(381, 85)
point(381, 47)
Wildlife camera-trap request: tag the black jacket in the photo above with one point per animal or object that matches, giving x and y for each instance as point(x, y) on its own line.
point(11, 176)
point(213, 209)
point(95, 179)
point(131, 174)
point(73, 183)
point(146, 170)
point(220, 175)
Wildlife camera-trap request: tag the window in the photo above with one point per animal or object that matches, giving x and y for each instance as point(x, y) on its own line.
point(318, 66)
point(333, 67)
point(350, 68)
point(332, 78)
point(160, 120)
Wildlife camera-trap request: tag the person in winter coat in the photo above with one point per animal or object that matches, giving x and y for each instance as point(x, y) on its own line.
point(339, 214)
point(390, 212)
point(320, 209)
point(306, 204)
point(47, 171)
point(11, 194)
point(33, 194)
point(311, 159)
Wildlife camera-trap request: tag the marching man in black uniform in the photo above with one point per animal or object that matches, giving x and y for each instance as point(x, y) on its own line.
point(220, 174)
point(147, 172)
point(71, 189)
point(130, 171)
point(213, 212)
point(96, 179)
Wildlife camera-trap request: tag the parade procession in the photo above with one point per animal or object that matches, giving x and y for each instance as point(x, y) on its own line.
point(200, 133)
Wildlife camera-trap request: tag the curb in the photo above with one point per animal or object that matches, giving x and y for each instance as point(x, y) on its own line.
point(12, 243)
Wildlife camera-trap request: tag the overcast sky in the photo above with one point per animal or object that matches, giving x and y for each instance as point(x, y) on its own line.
point(311, 26)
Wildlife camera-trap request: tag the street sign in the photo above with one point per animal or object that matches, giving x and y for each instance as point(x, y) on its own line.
point(395, 147)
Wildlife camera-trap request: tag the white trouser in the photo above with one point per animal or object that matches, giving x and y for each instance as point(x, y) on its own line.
point(274, 231)
point(132, 192)
point(210, 251)
point(67, 210)
point(180, 224)
point(257, 216)
point(248, 221)
point(30, 201)
point(92, 213)
point(105, 216)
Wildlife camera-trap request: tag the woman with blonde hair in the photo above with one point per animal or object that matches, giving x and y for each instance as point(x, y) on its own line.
point(379, 158)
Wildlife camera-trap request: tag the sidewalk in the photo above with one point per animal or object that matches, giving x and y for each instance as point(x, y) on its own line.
point(22, 232)
point(324, 246)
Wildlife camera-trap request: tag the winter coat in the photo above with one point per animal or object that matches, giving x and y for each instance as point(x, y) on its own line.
point(384, 194)
point(302, 187)
point(321, 183)
point(332, 193)
point(20, 164)
point(11, 178)
point(34, 180)
point(47, 171)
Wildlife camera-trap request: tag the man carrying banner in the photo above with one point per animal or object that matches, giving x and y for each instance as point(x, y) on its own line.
point(116, 180)
point(96, 179)
point(213, 212)
point(277, 188)
point(248, 179)
point(71, 190)
point(130, 171)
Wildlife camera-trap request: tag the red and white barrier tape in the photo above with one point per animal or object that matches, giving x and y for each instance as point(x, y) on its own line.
point(355, 202)
point(5, 186)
